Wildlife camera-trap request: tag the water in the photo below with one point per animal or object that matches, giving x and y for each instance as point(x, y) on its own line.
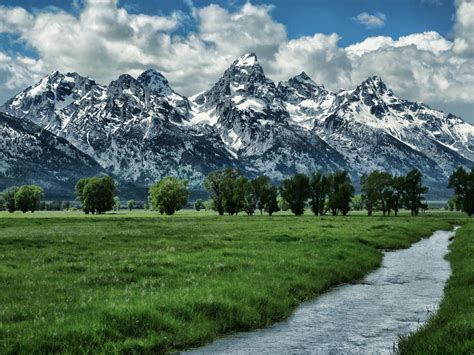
point(364, 318)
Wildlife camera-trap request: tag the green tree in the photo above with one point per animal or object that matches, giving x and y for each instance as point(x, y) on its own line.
point(266, 195)
point(462, 182)
point(28, 198)
point(214, 184)
point(271, 204)
point(130, 204)
point(357, 202)
point(2, 202)
point(117, 204)
point(9, 198)
point(232, 191)
point(295, 191)
point(398, 183)
point(169, 195)
point(198, 205)
point(96, 194)
point(246, 191)
point(413, 191)
point(209, 204)
point(65, 205)
point(320, 187)
point(341, 192)
point(378, 190)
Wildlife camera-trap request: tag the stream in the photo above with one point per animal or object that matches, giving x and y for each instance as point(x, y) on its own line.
point(362, 318)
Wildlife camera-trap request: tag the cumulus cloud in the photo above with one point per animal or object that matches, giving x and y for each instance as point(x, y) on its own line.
point(429, 41)
point(105, 40)
point(376, 20)
point(319, 56)
point(464, 28)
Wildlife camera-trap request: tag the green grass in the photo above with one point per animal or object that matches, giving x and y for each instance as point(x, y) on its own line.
point(140, 282)
point(451, 330)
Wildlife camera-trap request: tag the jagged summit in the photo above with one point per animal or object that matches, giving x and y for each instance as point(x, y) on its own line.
point(154, 81)
point(376, 84)
point(140, 128)
point(246, 60)
point(303, 78)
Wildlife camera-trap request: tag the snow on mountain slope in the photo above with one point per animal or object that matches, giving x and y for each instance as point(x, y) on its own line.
point(32, 155)
point(373, 129)
point(246, 110)
point(140, 129)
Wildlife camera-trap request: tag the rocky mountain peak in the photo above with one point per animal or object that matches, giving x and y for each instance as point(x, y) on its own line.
point(155, 82)
point(374, 85)
point(125, 85)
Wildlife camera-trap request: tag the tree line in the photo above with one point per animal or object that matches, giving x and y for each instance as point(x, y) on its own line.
point(21, 198)
point(232, 193)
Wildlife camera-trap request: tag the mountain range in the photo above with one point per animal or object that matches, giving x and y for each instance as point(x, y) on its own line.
point(139, 130)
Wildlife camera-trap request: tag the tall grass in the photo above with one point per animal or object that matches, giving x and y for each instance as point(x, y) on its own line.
point(145, 283)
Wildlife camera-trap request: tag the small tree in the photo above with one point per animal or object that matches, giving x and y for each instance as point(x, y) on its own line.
point(271, 204)
point(341, 192)
point(357, 203)
point(247, 194)
point(214, 184)
point(28, 198)
point(169, 195)
point(462, 182)
point(117, 204)
point(131, 204)
point(65, 205)
point(320, 188)
point(232, 191)
point(96, 194)
point(198, 205)
point(9, 198)
point(295, 191)
point(413, 191)
point(265, 195)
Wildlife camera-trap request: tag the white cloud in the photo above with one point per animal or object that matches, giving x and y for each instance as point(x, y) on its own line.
point(319, 56)
point(429, 41)
point(376, 20)
point(104, 41)
point(464, 28)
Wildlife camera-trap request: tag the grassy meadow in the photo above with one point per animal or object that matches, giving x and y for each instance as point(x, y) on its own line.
point(141, 282)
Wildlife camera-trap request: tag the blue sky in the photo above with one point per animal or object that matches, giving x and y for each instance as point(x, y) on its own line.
point(303, 17)
point(423, 49)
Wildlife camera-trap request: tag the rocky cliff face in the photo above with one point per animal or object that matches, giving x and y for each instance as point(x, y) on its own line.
point(140, 129)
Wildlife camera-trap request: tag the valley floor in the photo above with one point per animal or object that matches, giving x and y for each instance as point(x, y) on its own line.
point(141, 282)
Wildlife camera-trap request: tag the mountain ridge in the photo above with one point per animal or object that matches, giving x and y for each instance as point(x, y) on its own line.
point(140, 129)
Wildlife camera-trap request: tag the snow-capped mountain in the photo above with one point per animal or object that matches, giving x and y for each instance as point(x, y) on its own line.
point(30, 154)
point(133, 127)
point(373, 129)
point(141, 129)
point(247, 111)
